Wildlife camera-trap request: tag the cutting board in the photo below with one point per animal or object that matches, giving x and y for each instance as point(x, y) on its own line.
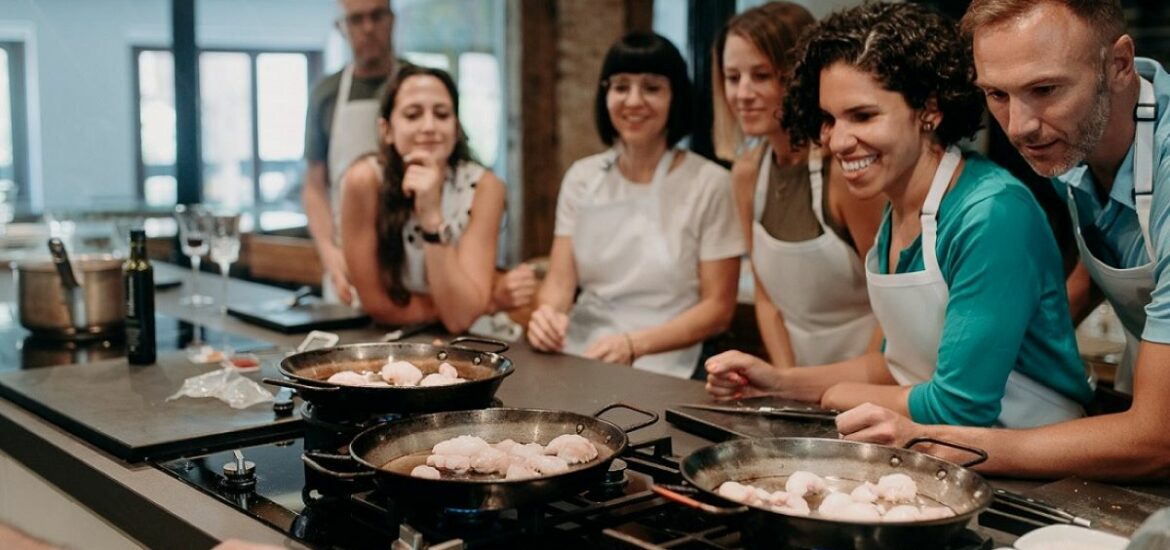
point(1111, 508)
point(122, 409)
point(718, 426)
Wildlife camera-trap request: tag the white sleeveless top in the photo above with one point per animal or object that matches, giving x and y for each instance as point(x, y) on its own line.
point(457, 196)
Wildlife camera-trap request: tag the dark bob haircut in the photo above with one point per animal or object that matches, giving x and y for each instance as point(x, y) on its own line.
point(909, 49)
point(647, 52)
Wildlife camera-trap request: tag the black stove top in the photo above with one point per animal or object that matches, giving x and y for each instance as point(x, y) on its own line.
point(21, 349)
point(624, 513)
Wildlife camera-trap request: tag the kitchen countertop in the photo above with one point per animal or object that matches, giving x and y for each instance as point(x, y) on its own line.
point(161, 511)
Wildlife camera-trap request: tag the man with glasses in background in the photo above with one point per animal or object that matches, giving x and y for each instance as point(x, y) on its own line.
point(341, 126)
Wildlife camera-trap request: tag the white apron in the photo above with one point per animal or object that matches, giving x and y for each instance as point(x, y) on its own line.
point(911, 308)
point(818, 284)
point(353, 133)
point(1128, 290)
point(629, 278)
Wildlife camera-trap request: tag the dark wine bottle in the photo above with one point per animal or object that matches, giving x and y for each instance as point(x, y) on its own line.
point(138, 277)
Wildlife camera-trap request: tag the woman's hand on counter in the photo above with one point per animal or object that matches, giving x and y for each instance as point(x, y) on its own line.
point(515, 288)
point(547, 328)
point(612, 348)
point(736, 375)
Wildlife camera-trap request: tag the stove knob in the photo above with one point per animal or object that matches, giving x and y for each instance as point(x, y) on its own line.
point(616, 472)
point(240, 474)
point(282, 405)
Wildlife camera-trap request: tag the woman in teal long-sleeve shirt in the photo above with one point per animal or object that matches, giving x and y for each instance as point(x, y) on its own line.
point(974, 310)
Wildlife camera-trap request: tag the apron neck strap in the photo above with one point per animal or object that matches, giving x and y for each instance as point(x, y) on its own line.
point(1145, 113)
point(343, 88)
point(929, 217)
point(760, 199)
point(660, 170)
point(942, 179)
point(816, 164)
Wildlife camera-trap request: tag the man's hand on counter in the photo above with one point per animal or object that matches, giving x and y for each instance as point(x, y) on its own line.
point(334, 263)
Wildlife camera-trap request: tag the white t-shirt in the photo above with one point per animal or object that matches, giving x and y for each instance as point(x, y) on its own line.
point(698, 212)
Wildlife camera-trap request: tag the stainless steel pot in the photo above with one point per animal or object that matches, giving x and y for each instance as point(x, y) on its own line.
point(767, 463)
point(47, 310)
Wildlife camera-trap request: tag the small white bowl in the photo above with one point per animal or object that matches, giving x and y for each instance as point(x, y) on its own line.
point(1070, 537)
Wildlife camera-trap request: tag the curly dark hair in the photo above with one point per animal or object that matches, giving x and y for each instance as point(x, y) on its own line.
point(908, 48)
point(394, 207)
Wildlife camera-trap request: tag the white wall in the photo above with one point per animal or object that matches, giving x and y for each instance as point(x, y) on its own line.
point(83, 70)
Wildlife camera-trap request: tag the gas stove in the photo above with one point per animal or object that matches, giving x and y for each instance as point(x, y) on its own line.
point(271, 484)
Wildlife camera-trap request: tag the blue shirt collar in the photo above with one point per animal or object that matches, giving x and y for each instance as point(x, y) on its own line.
point(1080, 178)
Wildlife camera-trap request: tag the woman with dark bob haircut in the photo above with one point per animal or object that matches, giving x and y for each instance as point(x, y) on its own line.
point(965, 277)
point(420, 220)
point(648, 233)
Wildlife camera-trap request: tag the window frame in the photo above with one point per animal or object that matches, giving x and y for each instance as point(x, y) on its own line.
point(18, 104)
point(315, 70)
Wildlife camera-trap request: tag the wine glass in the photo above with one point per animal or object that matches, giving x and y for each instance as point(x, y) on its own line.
point(194, 226)
point(225, 249)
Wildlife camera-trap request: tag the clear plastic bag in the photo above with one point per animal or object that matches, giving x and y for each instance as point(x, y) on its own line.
point(1154, 533)
point(227, 386)
point(499, 326)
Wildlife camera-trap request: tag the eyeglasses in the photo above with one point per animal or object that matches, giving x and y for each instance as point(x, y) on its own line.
point(356, 19)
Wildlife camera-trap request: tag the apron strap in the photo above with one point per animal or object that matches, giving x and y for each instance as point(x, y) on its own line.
point(1145, 113)
point(761, 195)
point(342, 99)
point(929, 216)
point(817, 184)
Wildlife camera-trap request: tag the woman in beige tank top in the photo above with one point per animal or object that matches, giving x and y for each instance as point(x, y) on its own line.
point(806, 233)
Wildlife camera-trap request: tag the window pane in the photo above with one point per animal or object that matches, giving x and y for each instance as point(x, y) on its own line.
point(432, 60)
point(479, 94)
point(283, 96)
point(282, 81)
point(6, 168)
point(156, 87)
point(225, 87)
point(160, 190)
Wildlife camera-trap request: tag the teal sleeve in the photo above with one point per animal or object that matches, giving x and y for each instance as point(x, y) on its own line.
point(993, 275)
point(1157, 327)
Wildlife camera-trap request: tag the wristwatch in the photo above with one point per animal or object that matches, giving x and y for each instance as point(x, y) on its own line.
point(444, 235)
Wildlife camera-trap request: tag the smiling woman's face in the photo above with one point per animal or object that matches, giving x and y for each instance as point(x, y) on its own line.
point(751, 87)
point(874, 135)
point(423, 119)
point(639, 106)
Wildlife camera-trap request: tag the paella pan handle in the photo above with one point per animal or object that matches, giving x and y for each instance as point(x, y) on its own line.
point(675, 496)
point(311, 459)
point(653, 416)
point(980, 454)
point(499, 345)
point(303, 388)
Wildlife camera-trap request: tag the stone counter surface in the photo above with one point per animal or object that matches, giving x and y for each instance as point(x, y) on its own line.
point(152, 509)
